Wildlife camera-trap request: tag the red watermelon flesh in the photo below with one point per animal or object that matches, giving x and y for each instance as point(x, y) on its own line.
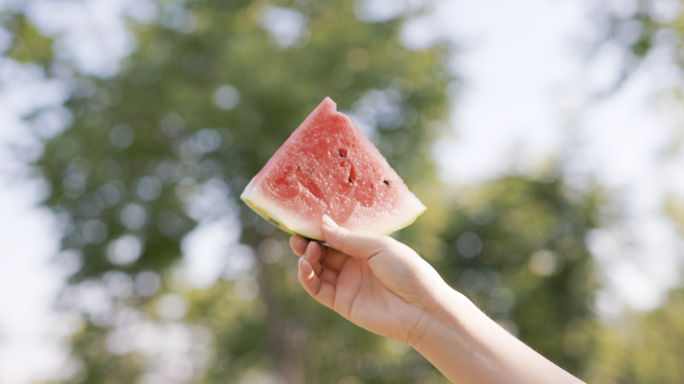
point(328, 166)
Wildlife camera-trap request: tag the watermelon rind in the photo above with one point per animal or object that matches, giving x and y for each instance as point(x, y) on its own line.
point(273, 214)
point(268, 218)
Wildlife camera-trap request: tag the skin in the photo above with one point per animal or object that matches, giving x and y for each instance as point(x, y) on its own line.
point(383, 286)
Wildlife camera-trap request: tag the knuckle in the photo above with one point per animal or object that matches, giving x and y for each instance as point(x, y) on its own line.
point(385, 242)
point(343, 236)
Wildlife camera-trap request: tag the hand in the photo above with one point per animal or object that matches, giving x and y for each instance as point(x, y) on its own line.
point(386, 288)
point(374, 281)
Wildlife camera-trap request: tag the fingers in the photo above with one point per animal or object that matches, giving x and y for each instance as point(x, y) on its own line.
point(329, 276)
point(317, 286)
point(314, 255)
point(330, 258)
point(354, 244)
point(298, 244)
point(333, 259)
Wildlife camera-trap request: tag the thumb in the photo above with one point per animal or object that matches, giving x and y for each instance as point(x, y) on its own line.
point(358, 245)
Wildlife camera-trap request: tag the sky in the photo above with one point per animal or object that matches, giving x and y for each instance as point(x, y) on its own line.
point(532, 93)
point(529, 94)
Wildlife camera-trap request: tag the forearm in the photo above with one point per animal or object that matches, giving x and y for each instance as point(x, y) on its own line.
point(469, 347)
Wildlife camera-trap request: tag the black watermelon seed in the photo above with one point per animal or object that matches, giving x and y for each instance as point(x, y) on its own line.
point(342, 154)
point(351, 181)
point(387, 182)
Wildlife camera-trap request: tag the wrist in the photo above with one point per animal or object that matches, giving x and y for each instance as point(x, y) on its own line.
point(439, 318)
point(468, 347)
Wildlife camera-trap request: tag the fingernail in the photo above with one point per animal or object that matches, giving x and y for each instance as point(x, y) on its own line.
point(306, 251)
point(327, 221)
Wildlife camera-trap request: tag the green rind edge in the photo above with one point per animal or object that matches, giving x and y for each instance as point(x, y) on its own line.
point(278, 224)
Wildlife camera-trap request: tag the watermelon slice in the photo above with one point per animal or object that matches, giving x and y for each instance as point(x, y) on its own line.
point(328, 166)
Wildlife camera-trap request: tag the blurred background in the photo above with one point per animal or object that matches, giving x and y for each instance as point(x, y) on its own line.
point(545, 137)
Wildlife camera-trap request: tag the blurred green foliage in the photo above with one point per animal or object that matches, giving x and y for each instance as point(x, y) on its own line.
point(205, 100)
point(641, 28)
point(517, 249)
point(646, 347)
point(643, 348)
point(29, 45)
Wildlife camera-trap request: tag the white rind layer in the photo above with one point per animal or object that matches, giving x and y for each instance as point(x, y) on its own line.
point(271, 211)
